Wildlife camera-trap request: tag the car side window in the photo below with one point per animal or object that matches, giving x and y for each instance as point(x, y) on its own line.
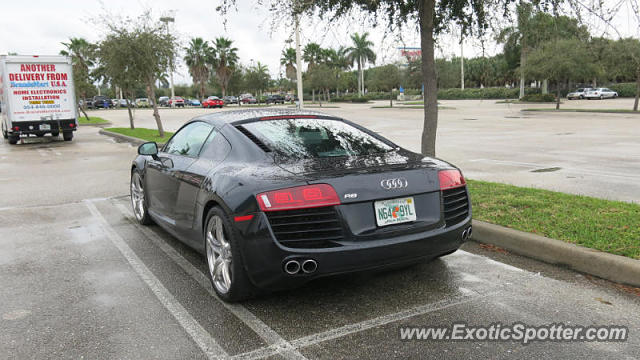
point(189, 140)
point(216, 147)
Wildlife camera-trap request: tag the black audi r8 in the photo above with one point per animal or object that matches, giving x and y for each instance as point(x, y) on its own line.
point(275, 198)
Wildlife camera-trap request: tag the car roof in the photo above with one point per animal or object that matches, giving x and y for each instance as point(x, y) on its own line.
point(239, 116)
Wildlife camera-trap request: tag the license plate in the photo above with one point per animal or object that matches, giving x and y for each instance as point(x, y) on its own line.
point(45, 127)
point(395, 211)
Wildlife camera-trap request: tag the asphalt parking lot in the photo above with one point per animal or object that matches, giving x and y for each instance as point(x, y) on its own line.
point(81, 279)
point(594, 154)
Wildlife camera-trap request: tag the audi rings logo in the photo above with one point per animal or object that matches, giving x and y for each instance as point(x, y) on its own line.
point(394, 184)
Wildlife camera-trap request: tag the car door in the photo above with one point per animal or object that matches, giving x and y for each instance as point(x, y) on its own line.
point(163, 176)
point(213, 152)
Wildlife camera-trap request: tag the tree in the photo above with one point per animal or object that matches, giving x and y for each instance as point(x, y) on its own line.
point(312, 54)
point(321, 77)
point(83, 56)
point(135, 52)
point(385, 78)
point(288, 59)
point(225, 59)
point(561, 61)
point(361, 53)
point(627, 61)
point(198, 57)
point(432, 17)
point(257, 78)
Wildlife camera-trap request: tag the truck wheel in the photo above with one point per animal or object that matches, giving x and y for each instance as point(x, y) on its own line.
point(40, 134)
point(67, 135)
point(13, 139)
point(55, 133)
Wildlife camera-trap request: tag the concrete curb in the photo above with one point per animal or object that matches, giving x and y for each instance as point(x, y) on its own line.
point(616, 268)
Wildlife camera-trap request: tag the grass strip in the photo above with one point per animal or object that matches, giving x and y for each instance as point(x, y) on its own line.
point(605, 225)
point(93, 120)
point(143, 134)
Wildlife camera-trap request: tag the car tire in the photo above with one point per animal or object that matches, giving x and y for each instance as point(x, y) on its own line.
point(224, 258)
point(601, 97)
point(581, 97)
point(139, 198)
point(55, 133)
point(13, 139)
point(67, 135)
point(40, 134)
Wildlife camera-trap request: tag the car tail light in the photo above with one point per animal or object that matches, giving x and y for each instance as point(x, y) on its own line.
point(450, 179)
point(72, 125)
point(299, 197)
point(16, 128)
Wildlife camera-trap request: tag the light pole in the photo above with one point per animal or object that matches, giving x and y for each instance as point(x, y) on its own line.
point(299, 64)
point(166, 20)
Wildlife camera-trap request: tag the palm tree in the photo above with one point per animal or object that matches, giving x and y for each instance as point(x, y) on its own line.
point(225, 59)
point(360, 53)
point(83, 55)
point(258, 78)
point(199, 56)
point(312, 54)
point(518, 37)
point(339, 61)
point(289, 59)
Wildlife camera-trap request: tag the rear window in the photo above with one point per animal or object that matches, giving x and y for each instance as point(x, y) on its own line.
point(315, 138)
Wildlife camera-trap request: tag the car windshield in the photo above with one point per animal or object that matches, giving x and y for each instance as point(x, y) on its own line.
point(316, 138)
point(580, 90)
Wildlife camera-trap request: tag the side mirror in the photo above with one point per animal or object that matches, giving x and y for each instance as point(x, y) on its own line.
point(149, 149)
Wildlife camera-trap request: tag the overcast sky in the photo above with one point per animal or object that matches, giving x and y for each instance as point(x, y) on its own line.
point(40, 26)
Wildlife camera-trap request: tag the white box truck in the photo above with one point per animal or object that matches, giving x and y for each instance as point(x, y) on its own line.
point(37, 96)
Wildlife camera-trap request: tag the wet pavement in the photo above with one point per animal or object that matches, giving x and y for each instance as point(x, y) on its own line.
point(81, 279)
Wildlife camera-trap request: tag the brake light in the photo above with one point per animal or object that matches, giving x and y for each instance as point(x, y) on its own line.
point(280, 117)
point(72, 125)
point(299, 197)
point(16, 128)
point(450, 179)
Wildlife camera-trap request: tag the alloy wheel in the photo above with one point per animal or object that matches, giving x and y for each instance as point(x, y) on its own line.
point(219, 256)
point(137, 196)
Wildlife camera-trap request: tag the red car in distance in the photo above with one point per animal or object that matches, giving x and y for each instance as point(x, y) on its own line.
point(213, 102)
point(179, 102)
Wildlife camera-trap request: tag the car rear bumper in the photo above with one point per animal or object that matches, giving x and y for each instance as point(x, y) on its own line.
point(265, 259)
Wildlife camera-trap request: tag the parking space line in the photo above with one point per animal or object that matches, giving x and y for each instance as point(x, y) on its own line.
point(364, 325)
point(199, 335)
point(270, 336)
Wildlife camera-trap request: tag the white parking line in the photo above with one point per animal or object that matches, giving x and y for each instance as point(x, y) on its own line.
point(199, 335)
point(272, 338)
point(363, 325)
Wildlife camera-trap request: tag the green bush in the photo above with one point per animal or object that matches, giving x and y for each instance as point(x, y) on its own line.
point(482, 93)
point(352, 98)
point(624, 89)
point(539, 98)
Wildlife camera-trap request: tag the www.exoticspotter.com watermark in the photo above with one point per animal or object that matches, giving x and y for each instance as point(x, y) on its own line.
point(517, 332)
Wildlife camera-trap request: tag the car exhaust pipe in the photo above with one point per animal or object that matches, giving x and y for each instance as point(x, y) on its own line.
point(309, 266)
point(469, 232)
point(292, 267)
point(464, 234)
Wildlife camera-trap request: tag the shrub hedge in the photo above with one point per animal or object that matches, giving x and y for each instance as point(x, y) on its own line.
point(624, 89)
point(539, 98)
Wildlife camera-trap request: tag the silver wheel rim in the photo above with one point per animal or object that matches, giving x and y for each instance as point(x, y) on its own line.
point(137, 196)
point(219, 257)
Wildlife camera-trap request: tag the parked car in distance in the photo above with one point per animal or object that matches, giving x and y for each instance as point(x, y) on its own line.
point(176, 101)
point(275, 99)
point(87, 103)
point(194, 102)
point(163, 101)
point(578, 94)
point(101, 102)
point(213, 102)
point(230, 99)
point(123, 103)
point(600, 93)
point(249, 100)
point(142, 103)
